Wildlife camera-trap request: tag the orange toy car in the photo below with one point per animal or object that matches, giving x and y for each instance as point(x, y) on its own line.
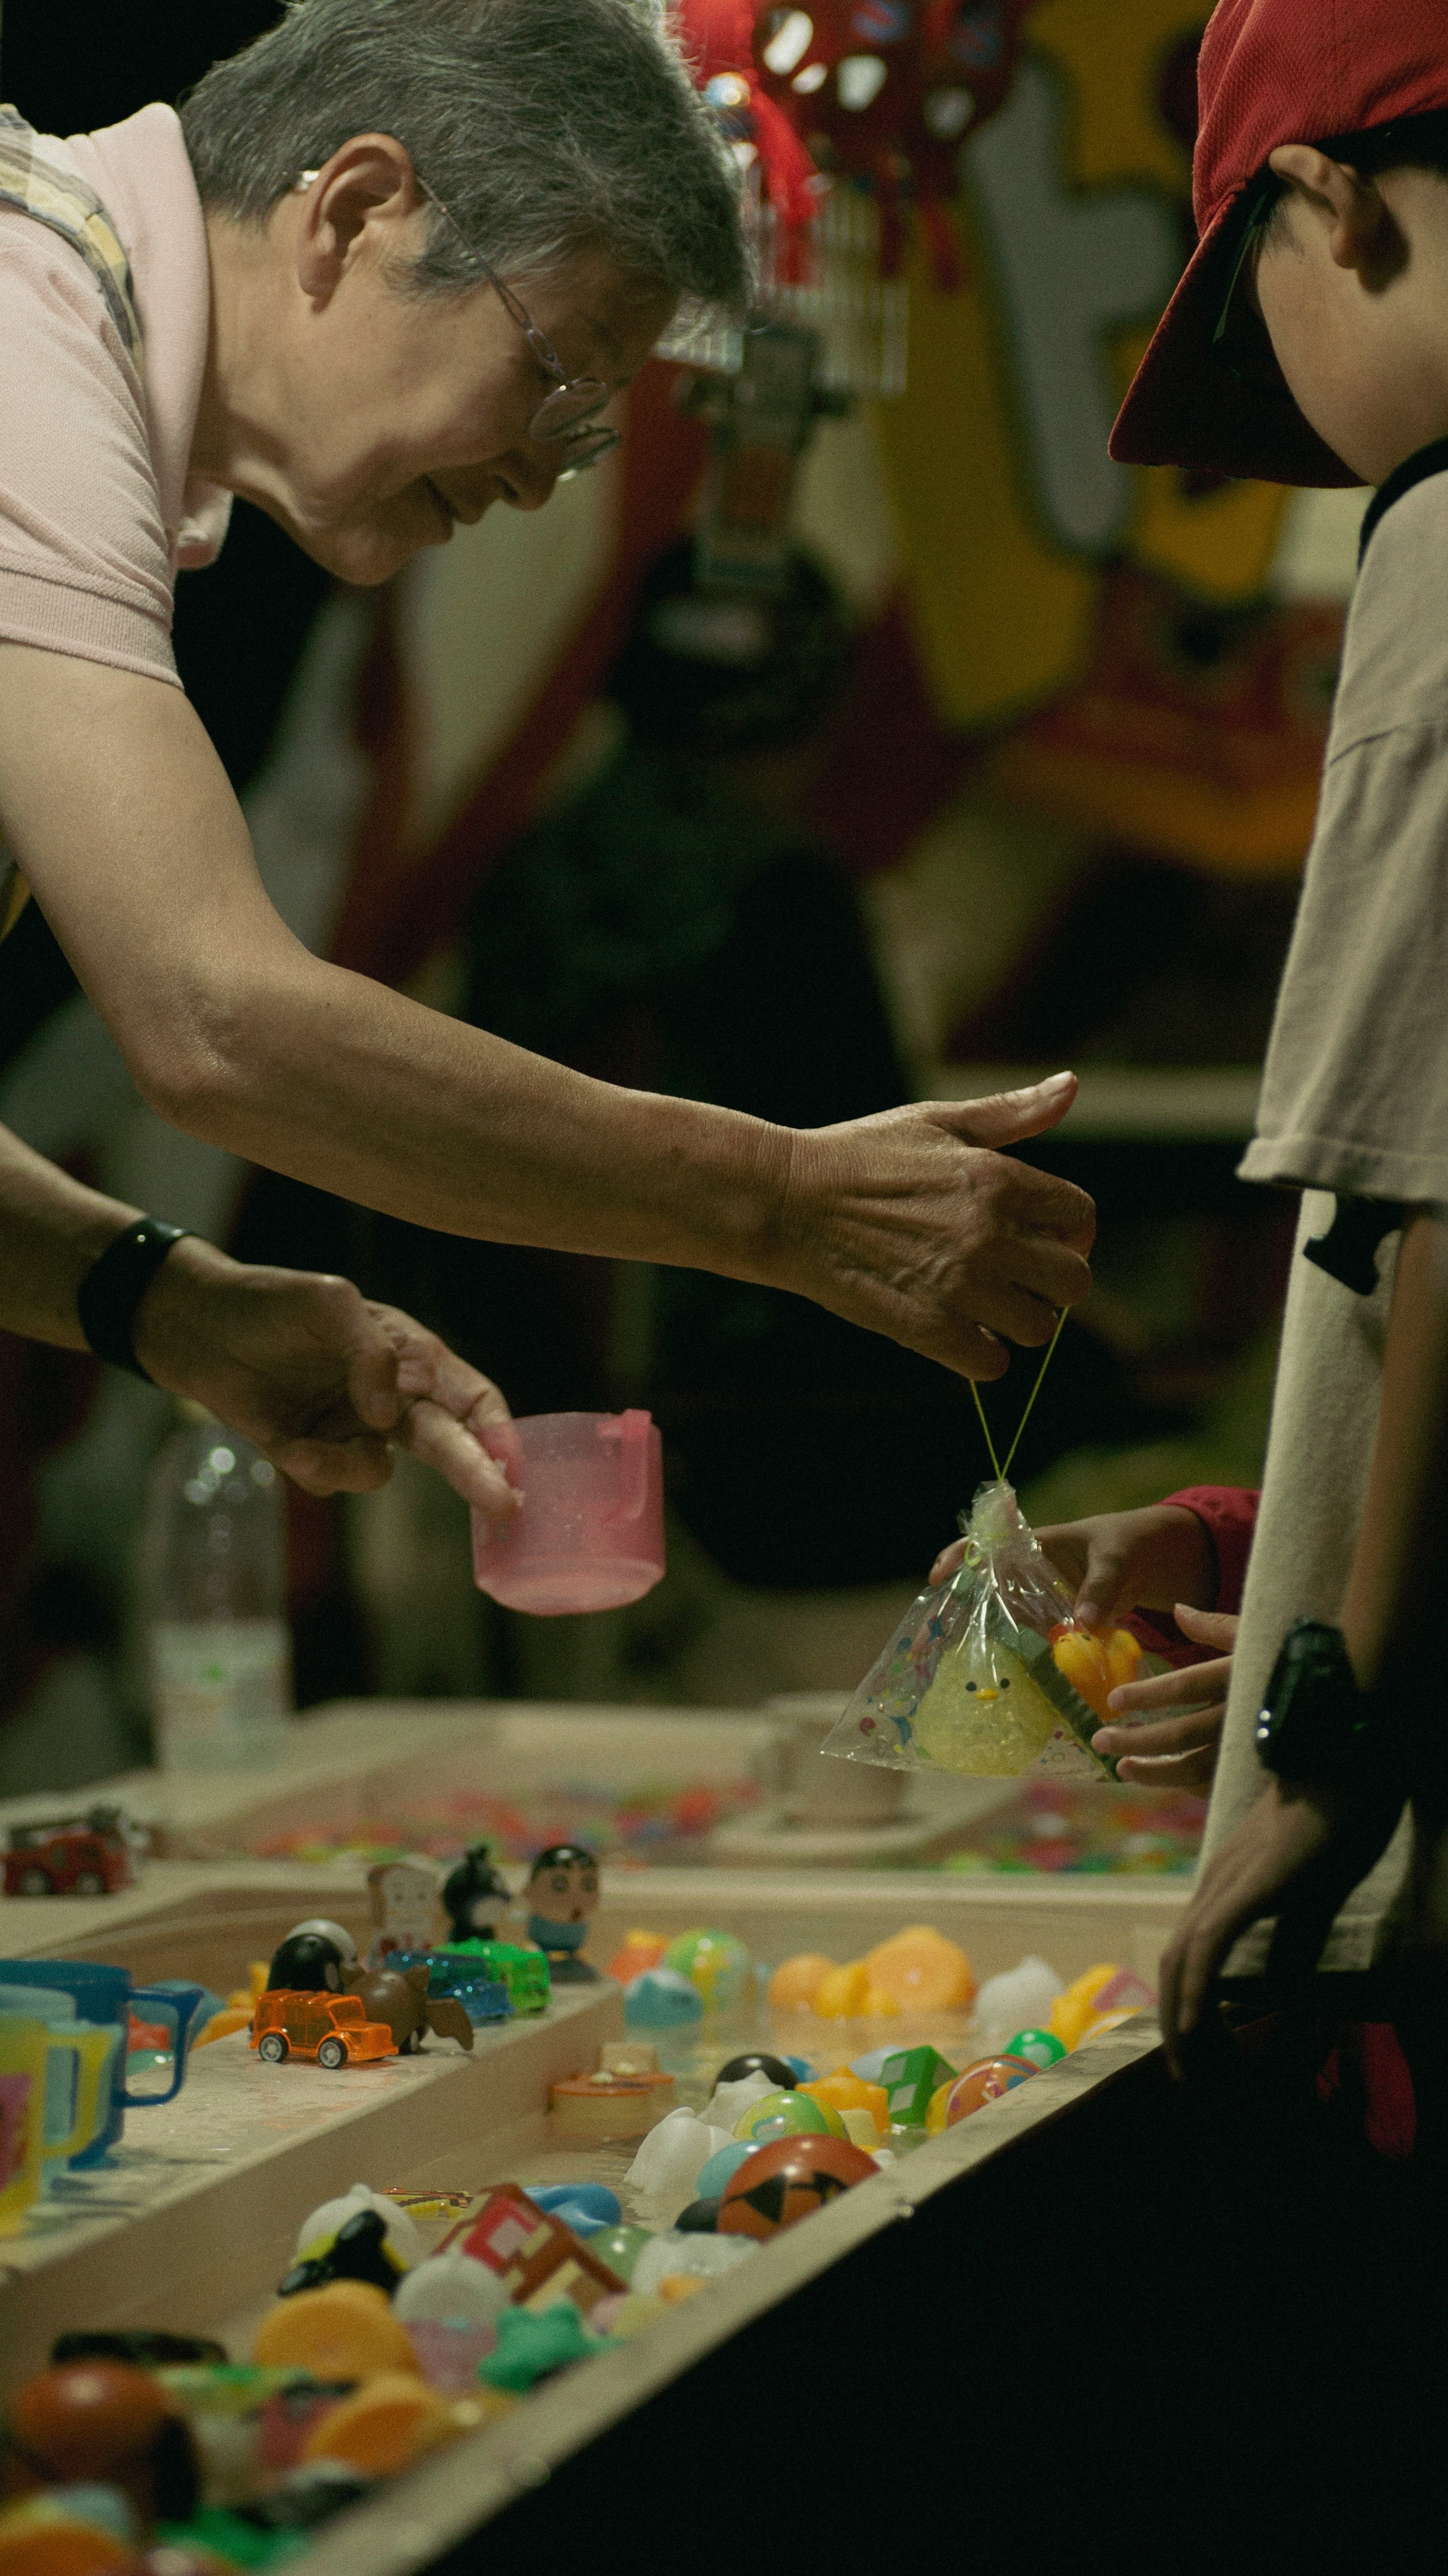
point(333, 2029)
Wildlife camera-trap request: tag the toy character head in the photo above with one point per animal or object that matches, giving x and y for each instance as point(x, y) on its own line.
point(563, 1884)
point(359, 2251)
point(403, 1904)
point(312, 1961)
point(475, 1895)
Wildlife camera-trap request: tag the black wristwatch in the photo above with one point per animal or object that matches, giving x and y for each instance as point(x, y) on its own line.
point(1315, 1722)
point(113, 1287)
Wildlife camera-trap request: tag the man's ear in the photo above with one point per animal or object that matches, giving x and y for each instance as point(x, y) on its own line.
point(369, 182)
point(1361, 231)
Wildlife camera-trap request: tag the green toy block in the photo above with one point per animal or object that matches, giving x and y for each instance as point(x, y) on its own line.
point(909, 2081)
point(523, 1972)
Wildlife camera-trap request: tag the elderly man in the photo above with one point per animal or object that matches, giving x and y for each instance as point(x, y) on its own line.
point(389, 267)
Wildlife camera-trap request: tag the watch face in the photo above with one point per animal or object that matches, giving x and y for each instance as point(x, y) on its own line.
point(1313, 1722)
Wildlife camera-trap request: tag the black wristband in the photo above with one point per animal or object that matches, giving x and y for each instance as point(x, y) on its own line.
point(113, 1287)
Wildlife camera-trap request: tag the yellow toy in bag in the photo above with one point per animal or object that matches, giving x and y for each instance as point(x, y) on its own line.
point(989, 1675)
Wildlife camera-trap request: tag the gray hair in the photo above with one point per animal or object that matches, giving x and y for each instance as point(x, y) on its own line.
point(545, 126)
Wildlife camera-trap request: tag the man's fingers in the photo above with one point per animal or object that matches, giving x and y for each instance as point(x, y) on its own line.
point(345, 1325)
point(971, 1350)
point(1014, 1315)
point(430, 1433)
point(360, 1466)
point(948, 1562)
point(1045, 1268)
point(1006, 1117)
point(426, 1367)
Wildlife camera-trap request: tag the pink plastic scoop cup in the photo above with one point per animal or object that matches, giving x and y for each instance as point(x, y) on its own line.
point(589, 1531)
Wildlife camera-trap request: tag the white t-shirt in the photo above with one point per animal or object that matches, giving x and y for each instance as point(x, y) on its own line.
point(1354, 1103)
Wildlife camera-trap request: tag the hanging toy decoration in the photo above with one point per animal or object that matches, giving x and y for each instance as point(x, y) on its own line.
point(874, 96)
point(991, 1674)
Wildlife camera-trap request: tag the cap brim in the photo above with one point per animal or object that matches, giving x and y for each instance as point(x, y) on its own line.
point(1185, 406)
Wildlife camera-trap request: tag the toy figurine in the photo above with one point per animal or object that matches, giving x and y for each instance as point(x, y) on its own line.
point(474, 1897)
point(562, 1900)
point(399, 1996)
point(358, 2252)
point(362, 2236)
point(315, 1958)
point(403, 1896)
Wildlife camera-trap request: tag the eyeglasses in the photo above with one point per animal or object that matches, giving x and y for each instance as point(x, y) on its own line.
point(567, 416)
point(1241, 339)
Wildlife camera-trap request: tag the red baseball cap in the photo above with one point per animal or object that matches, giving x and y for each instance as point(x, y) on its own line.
point(1269, 72)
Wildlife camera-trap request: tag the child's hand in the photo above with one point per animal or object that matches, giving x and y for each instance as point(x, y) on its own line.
point(1175, 1752)
point(1123, 1561)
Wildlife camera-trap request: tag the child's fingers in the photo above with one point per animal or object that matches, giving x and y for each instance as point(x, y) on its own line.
point(1195, 1770)
point(1194, 1686)
point(1187, 1734)
point(1207, 1627)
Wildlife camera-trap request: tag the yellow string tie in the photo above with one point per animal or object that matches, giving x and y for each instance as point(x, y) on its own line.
point(1002, 1472)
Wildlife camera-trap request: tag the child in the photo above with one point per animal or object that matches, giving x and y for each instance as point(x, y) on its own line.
point(1308, 343)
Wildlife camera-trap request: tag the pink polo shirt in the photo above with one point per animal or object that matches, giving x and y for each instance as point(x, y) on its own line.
point(98, 508)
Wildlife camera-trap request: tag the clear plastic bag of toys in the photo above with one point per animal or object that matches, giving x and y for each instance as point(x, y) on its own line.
point(989, 1675)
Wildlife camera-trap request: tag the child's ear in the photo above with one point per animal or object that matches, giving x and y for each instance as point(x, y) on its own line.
point(1362, 233)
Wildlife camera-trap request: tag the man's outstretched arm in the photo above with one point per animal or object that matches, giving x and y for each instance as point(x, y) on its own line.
point(322, 1380)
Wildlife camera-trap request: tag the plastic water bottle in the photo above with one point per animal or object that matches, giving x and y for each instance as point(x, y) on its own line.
point(214, 1593)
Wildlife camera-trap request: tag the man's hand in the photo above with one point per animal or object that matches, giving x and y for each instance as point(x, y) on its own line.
point(915, 1224)
point(321, 1380)
point(1175, 1752)
point(1297, 1854)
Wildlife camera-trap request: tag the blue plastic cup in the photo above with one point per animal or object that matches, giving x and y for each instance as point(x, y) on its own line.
point(108, 1995)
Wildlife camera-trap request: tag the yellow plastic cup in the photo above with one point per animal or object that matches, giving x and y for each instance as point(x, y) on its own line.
point(27, 2046)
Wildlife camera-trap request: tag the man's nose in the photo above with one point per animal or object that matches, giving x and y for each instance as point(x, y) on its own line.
point(528, 476)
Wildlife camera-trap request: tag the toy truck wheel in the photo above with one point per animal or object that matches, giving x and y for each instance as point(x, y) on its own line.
point(272, 2047)
point(89, 1882)
point(34, 1882)
point(332, 2054)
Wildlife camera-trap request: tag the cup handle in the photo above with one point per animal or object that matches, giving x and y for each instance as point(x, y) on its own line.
point(93, 2048)
point(631, 1431)
point(183, 2002)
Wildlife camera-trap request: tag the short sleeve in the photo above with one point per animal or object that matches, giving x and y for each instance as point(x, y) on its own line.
point(84, 562)
point(1355, 1090)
